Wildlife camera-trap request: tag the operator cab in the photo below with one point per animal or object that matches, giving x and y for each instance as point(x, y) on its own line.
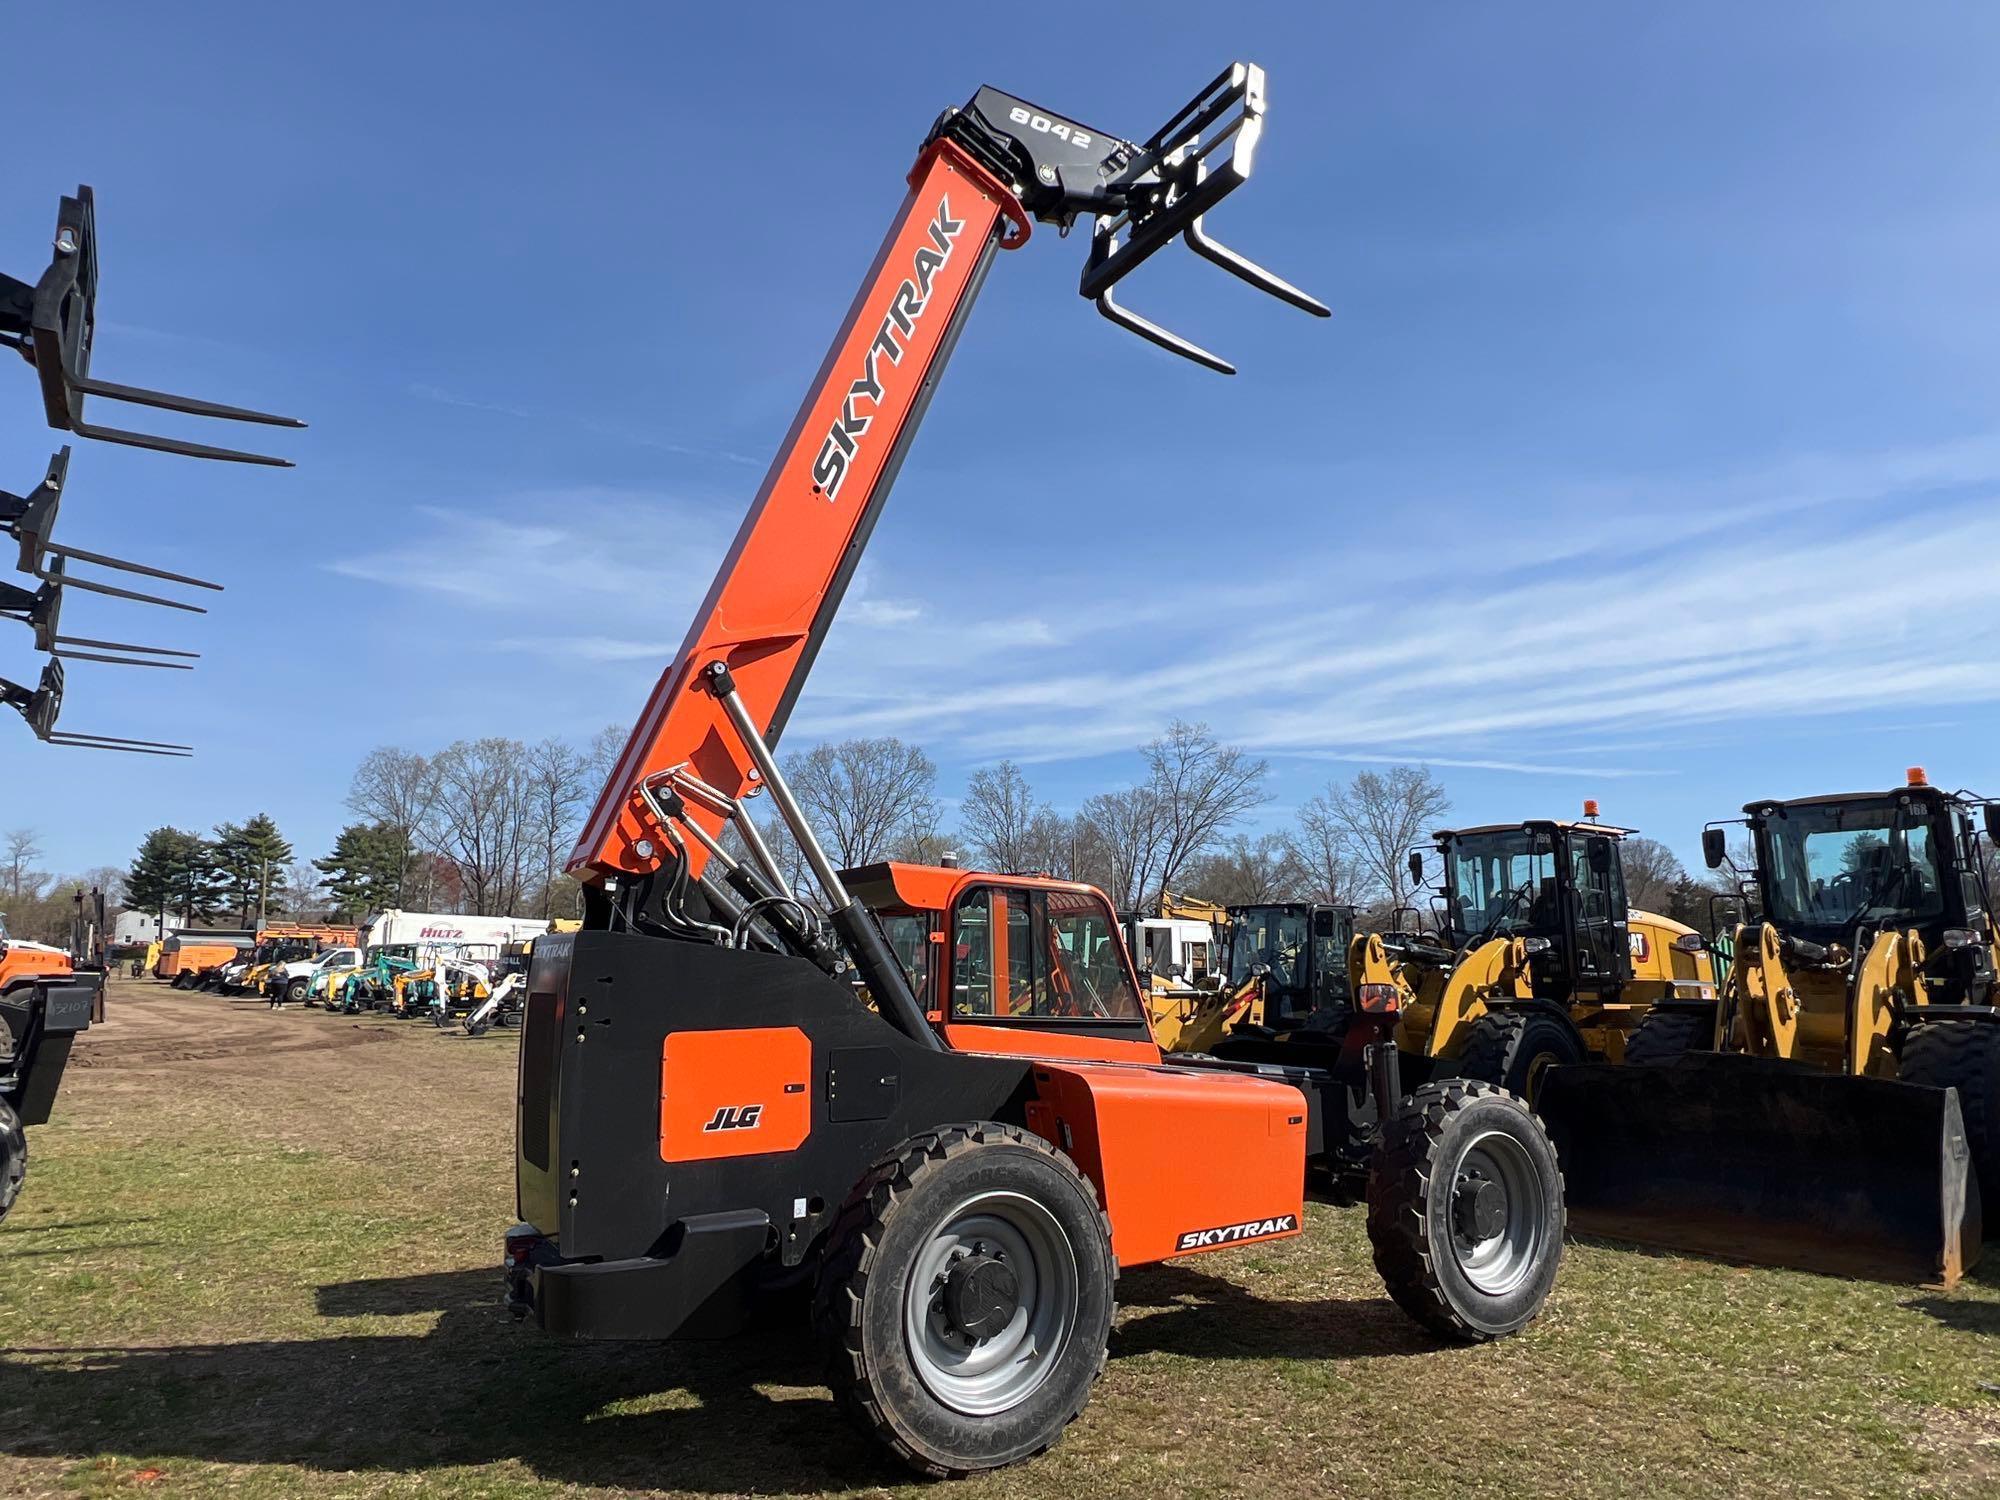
point(1559, 885)
point(1831, 868)
point(1019, 951)
point(1299, 950)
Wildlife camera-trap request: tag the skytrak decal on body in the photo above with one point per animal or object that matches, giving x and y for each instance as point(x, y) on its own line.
point(864, 396)
point(1236, 1234)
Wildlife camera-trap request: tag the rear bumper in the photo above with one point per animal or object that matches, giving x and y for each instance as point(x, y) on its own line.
point(703, 1288)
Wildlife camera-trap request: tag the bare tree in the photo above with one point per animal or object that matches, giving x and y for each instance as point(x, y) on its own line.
point(1002, 823)
point(1325, 850)
point(1202, 788)
point(1383, 816)
point(1250, 872)
point(1653, 873)
point(480, 819)
point(400, 789)
point(1123, 836)
point(605, 747)
point(559, 782)
point(305, 891)
point(19, 848)
point(862, 795)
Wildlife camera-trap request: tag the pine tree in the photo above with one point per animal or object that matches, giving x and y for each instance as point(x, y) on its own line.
point(175, 871)
point(365, 870)
point(252, 857)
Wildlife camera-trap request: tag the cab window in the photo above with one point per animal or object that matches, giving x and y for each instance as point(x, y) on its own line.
point(1037, 955)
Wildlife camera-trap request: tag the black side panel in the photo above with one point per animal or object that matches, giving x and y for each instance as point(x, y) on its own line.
point(618, 997)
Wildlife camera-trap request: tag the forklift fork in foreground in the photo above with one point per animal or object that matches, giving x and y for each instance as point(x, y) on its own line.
point(54, 323)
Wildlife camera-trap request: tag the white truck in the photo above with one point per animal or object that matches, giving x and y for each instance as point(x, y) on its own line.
point(394, 927)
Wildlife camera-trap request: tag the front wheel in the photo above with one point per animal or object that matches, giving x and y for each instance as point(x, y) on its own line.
point(295, 989)
point(1513, 1049)
point(1465, 1210)
point(964, 1305)
point(1666, 1036)
point(13, 1157)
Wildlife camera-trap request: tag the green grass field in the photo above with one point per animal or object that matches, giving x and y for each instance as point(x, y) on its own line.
point(257, 1257)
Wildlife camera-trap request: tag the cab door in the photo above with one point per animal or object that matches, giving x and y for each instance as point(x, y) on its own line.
point(1602, 931)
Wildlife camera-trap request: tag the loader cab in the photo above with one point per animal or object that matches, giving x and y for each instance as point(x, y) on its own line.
point(1559, 885)
point(1832, 867)
point(1299, 950)
point(1014, 951)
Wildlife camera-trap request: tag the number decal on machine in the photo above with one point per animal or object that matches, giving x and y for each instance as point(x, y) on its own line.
point(736, 1117)
point(1057, 128)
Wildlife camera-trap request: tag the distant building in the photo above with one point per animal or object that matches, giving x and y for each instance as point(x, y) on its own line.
point(130, 927)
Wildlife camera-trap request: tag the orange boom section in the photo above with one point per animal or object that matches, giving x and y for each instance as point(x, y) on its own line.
point(782, 581)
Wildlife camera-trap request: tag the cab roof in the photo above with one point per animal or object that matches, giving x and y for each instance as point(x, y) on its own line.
point(1827, 799)
point(936, 887)
point(1537, 825)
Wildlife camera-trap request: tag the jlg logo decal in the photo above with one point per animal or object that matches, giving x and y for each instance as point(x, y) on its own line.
point(1231, 1234)
point(905, 308)
point(735, 1117)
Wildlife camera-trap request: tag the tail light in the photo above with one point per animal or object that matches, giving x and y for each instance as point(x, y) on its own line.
point(521, 1243)
point(1378, 999)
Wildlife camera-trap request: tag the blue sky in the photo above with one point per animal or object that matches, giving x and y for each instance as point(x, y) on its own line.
point(1650, 454)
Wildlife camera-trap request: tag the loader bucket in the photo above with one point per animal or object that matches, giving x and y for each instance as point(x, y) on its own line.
point(1751, 1159)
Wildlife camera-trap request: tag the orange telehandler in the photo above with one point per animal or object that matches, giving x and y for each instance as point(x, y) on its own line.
point(45, 1000)
point(931, 1095)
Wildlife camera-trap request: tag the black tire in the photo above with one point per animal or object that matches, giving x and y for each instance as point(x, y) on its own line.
point(13, 1157)
point(296, 987)
point(1424, 1186)
point(1964, 1055)
point(1510, 1048)
point(893, 1221)
point(1664, 1036)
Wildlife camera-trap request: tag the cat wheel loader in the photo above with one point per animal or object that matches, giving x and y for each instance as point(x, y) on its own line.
point(1837, 1106)
point(1537, 960)
point(45, 1000)
point(954, 1171)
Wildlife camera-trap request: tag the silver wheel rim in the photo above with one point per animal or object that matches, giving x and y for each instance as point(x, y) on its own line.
point(1496, 1264)
point(982, 1377)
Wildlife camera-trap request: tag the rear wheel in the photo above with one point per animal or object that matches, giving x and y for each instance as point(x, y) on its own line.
point(965, 1301)
point(295, 989)
point(13, 1157)
point(1513, 1048)
point(1664, 1036)
point(1964, 1055)
point(1465, 1210)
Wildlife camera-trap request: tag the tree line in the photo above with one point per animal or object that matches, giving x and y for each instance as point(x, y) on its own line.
point(485, 826)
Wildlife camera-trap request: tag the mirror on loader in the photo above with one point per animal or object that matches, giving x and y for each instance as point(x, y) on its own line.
point(1714, 848)
point(1993, 822)
point(1324, 925)
point(1416, 867)
point(1600, 855)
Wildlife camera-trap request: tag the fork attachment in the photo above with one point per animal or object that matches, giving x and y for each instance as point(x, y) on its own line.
point(1141, 196)
point(53, 324)
point(41, 705)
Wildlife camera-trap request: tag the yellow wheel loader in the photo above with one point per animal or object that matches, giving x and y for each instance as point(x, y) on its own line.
point(1537, 961)
point(1837, 1106)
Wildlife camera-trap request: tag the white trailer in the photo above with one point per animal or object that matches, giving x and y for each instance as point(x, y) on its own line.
point(429, 927)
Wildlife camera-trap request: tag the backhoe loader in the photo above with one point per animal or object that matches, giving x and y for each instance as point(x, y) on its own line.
point(1837, 1106)
point(957, 1170)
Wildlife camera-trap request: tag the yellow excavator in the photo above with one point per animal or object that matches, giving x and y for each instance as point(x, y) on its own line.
point(1537, 961)
point(1837, 1105)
